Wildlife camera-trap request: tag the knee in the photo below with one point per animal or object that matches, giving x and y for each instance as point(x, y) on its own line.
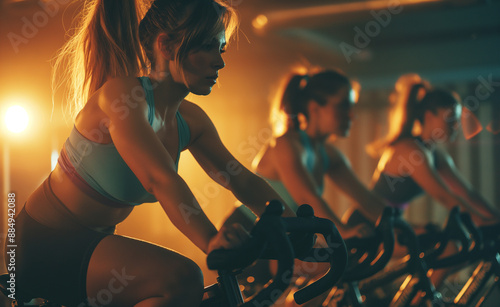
point(190, 279)
point(193, 274)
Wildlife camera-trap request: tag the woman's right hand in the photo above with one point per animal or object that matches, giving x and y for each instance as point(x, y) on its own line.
point(229, 236)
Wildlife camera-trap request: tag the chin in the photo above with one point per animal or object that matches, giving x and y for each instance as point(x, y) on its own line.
point(201, 91)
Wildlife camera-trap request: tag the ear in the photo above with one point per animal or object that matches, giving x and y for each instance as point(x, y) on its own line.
point(313, 106)
point(165, 46)
point(428, 116)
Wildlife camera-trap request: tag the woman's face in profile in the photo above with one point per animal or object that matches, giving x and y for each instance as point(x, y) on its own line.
point(446, 122)
point(335, 117)
point(201, 67)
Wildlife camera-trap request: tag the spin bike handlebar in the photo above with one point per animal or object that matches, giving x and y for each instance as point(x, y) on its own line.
point(490, 233)
point(467, 255)
point(455, 230)
point(407, 237)
point(367, 247)
point(485, 239)
point(475, 232)
point(335, 254)
point(269, 240)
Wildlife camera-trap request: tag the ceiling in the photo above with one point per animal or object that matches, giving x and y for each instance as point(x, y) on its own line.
point(377, 40)
point(373, 40)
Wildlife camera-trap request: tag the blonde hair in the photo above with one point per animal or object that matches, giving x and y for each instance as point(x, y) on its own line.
point(412, 97)
point(110, 42)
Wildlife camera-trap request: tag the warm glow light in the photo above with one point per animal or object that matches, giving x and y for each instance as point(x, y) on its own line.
point(470, 124)
point(494, 127)
point(279, 121)
point(336, 9)
point(356, 88)
point(53, 159)
point(259, 22)
point(16, 119)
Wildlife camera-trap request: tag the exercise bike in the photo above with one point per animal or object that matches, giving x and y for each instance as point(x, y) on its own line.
point(270, 239)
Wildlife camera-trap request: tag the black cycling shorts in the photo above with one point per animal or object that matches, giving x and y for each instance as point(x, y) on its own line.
point(52, 260)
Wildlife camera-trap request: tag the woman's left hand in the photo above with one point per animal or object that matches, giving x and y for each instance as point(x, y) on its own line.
point(229, 236)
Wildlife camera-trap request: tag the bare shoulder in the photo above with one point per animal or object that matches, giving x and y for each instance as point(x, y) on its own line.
point(190, 110)
point(286, 143)
point(408, 147)
point(116, 87)
point(121, 95)
point(406, 152)
point(116, 99)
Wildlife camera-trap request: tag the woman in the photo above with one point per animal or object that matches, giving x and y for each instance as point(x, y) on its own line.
point(312, 109)
point(412, 161)
point(124, 150)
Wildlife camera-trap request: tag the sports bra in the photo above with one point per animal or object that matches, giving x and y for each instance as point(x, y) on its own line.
point(310, 156)
point(99, 170)
point(399, 190)
point(308, 159)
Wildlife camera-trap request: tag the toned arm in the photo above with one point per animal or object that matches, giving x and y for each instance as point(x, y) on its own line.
point(224, 168)
point(286, 156)
point(341, 173)
point(448, 171)
point(146, 156)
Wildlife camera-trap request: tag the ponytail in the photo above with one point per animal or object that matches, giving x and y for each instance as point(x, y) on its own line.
point(105, 45)
point(292, 101)
point(110, 42)
point(300, 89)
point(413, 112)
point(405, 110)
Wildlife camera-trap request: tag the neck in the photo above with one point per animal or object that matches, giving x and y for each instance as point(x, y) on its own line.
point(429, 139)
point(313, 133)
point(168, 93)
point(428, 136)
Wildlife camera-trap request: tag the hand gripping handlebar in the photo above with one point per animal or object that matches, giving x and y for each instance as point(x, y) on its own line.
point(269, 240)
point(373, 261)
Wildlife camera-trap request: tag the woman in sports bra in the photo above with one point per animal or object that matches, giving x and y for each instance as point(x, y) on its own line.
point(309, 110)
point(124, 150)
point(413, 163)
